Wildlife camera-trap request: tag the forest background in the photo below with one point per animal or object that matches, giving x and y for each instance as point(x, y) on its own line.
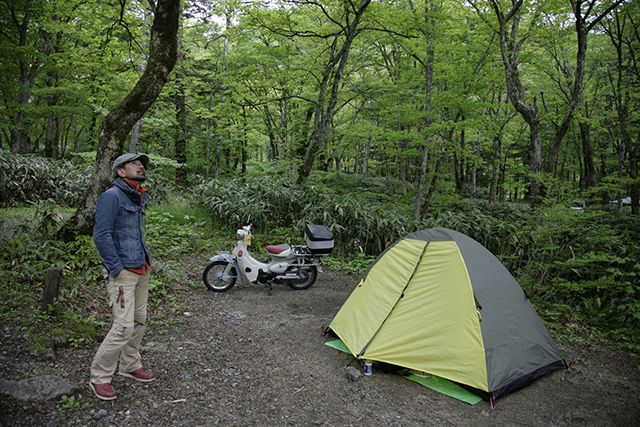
point(515, 122)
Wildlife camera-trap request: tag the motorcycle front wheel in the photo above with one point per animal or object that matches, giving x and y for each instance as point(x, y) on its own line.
point(219, 276)
point(310, 273)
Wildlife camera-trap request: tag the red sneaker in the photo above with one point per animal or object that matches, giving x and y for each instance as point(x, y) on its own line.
point(143, 375)
point(103, 391)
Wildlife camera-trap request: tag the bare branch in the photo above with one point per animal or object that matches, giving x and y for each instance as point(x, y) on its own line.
point(602, 14)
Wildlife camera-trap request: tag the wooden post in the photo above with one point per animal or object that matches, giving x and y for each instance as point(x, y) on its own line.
point(52, 283)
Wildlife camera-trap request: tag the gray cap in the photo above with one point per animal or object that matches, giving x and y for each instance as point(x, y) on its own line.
point(128, 158)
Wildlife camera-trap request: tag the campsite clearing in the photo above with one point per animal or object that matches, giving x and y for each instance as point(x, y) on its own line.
point(245, 357)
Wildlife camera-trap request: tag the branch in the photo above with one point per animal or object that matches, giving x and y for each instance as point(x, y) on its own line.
point(589, 9)
point(9, 39)
point(12, 10)
point(388, 31)
point(480, 14)
point(516, 8)
point(485, 56)
point(602, 15)
point(294, 33)
point(322, 8)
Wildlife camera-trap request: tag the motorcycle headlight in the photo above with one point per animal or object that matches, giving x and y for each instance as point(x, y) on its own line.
point(239, 234)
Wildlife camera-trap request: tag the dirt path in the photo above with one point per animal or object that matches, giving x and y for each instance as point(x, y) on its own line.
point(249, 358)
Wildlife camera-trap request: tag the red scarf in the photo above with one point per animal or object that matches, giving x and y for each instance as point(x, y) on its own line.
point(140, 189)
point(137, 187)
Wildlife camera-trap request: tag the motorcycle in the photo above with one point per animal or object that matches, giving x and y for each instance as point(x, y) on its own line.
point(296, 266)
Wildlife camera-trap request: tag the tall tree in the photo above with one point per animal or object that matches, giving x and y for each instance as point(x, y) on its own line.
point(427, 65)
point(52, 133)
point(325, 105)
point(180, 145)
point(137, 128)
point(511, 43)
point(625, 37)
point(19, 25)
point(583, 23)
point(120, 121)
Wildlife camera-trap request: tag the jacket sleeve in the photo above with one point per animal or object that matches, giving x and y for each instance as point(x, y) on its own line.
point(106, 214)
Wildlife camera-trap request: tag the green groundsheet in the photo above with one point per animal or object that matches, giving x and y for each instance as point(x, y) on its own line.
point(433, 382)
point(338, 345)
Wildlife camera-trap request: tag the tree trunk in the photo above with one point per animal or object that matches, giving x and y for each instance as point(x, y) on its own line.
point(284, 121)
point(365, 157)
point(180, 145)
point(474, 177)
point(52, 285)
point(434, 176)
point(218, 137)
point(211, 136)
point(52, 132)
point(576, 89)
point(634, 187)
point(501, 177)
point(272, 153)
point(459, 165)
point(20, 141)
point(587, 156)
point(120, 121)
point(428, 32)
point(245, 142)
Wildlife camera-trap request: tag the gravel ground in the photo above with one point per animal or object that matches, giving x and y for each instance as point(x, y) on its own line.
point(247, 357)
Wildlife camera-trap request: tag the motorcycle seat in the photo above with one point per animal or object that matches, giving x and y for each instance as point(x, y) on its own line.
point(279, 250)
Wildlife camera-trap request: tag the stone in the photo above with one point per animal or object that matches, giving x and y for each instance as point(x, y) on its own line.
point(352, 373)
point(100, 414)
point(45, 387)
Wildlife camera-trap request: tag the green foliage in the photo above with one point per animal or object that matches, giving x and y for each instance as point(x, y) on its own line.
point(69, 402)
point(499, 227)
point(275, 202)
point(586, 262)
point(28, 249)
point(253, 200)
point(175, 229)
point(365, 215)
point(31, 179)
point(356, 265)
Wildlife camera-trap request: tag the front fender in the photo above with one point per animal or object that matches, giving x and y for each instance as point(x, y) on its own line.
point(230, 258)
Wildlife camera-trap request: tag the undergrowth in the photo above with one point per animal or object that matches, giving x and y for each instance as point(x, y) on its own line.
point(80, 317)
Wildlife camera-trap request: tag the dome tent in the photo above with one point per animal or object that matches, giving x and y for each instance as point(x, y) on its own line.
point(439, 302)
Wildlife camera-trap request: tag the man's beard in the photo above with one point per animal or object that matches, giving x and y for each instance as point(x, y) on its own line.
point(139, 178)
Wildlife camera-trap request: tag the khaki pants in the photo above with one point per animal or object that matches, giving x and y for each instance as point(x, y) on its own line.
point(128, 295)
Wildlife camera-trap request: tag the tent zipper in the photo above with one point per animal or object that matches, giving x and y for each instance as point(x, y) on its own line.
point(364, 349)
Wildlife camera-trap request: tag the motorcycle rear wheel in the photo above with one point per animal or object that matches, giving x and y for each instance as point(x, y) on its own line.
point(310, 271)
point(216, 280)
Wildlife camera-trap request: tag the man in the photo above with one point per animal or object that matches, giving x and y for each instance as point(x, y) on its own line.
point(118, 235)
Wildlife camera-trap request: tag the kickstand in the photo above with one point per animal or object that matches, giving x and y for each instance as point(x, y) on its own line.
point(269, 288)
